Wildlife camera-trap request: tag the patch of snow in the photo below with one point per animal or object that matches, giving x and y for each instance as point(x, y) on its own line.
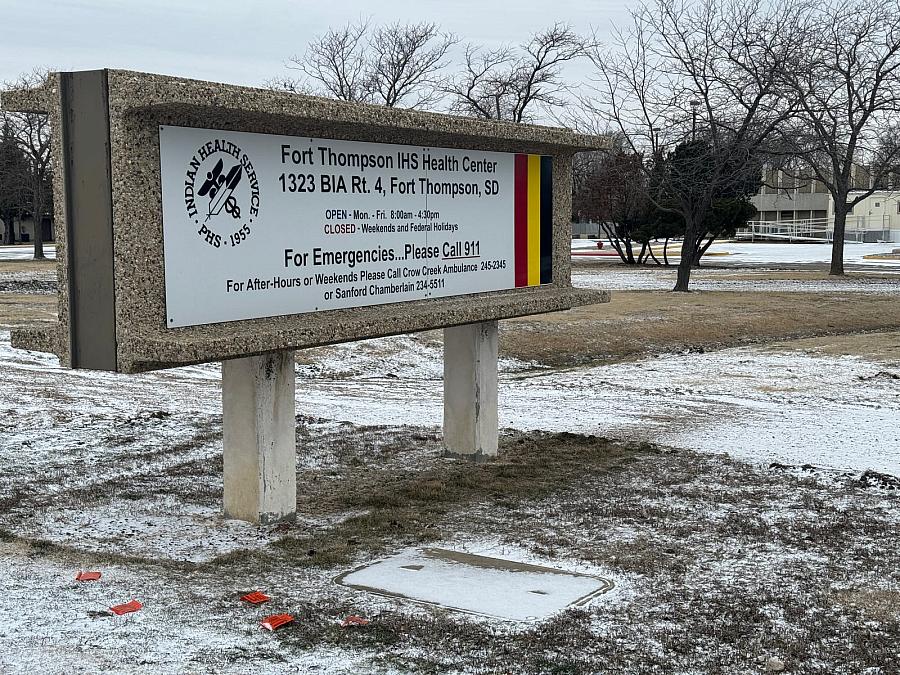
point(752, 403)
point(854, 254)
point(75, 432)
point(620, 278)
point(25, 252)
point(408, 357)
point(49, 623)
point(742, 253)
point(159, 527)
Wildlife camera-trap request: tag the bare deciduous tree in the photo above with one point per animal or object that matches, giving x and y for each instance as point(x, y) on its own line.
point(31, 132)
point(700, 76)
point(847, 83)
point(609, 186)
point(333, 65)
point(13, 177)
point(396, 65)
point(406, 62)
point(511, 84)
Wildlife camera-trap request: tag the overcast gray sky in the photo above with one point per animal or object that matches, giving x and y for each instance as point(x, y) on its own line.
point(246, 42)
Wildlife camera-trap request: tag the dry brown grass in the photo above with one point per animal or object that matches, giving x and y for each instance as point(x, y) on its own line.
point(883, 347)
point(880, 605)
point(20, 310)
point(636, 323)
point(412, 504)
point(27, 266)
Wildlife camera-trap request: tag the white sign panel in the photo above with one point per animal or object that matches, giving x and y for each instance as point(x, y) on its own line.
point(257, 225)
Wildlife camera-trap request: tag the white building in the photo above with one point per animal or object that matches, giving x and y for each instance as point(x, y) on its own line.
point(875, 218)
point(802, 210)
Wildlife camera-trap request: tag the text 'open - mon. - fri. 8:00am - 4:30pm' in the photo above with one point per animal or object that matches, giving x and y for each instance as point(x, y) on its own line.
point(258, 225)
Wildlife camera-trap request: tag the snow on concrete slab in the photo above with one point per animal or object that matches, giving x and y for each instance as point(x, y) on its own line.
point(476, 584)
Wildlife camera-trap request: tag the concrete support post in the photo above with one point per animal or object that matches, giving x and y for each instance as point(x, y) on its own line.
point(470, 390)
point(260, 459)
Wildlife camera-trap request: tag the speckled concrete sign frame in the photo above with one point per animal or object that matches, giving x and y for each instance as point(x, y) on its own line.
point(139, 103)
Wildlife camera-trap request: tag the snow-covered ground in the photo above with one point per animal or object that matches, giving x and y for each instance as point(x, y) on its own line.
point(755, 253)
point(126, 470)
point(106, 464)
point(753, 403)
point(25, 252)
point(746, 267)
point(653, 278)
point(750, 253)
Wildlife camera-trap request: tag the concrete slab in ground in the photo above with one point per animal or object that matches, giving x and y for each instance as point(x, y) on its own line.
point(476, 584)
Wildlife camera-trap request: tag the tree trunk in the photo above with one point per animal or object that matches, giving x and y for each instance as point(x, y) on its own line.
point(642, 254)
point(837, 244)
point(613, 240)
point(702, 248)
point(9, 229)
point(38, 229)
point(688, 248)
point(629, 252)
point(39, 241)
point(618, 246)
point(666, 252)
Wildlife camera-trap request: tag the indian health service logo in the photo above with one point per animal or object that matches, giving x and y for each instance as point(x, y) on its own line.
point(221, 193)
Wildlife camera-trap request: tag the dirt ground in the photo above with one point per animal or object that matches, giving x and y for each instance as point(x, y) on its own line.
point(27, 292)
point(720, 565)
point(17, 309)
point(883, 347)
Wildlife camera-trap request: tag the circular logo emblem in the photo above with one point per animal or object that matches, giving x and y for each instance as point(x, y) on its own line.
point(221, 193)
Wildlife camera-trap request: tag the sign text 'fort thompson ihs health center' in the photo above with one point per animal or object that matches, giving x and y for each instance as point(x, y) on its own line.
point(258, 225)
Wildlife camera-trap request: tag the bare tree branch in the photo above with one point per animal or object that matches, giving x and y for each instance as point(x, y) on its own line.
point(397, 65)
point(513, 84)
point(405, 64)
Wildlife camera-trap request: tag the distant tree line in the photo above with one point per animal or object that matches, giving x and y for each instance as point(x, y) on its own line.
point(703, 94)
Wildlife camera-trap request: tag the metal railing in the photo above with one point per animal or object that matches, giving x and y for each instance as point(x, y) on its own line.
point(860, 229)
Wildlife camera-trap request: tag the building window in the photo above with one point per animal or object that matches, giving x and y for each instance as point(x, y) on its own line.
point(877, 205)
